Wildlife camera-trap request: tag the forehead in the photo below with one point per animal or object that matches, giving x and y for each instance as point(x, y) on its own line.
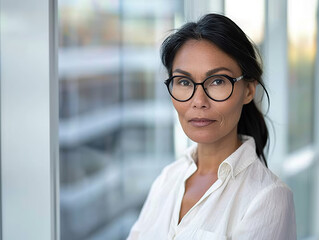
point(202, 56)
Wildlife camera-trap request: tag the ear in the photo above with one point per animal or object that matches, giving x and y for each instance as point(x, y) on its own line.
point(250, 90)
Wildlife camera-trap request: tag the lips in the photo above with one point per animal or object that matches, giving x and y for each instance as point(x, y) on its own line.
point(201, 122)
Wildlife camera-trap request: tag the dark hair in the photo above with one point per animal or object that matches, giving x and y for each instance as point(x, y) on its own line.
point(225, 34)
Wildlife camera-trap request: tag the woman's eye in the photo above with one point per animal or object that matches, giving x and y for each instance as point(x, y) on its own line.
point(184, 82)
point(218, 82)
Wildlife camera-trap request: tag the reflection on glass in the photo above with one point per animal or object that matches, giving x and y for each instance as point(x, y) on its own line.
point(116, 125)
point(302, 44)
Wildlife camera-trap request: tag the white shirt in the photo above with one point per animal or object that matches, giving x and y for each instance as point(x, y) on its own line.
point(246, 202)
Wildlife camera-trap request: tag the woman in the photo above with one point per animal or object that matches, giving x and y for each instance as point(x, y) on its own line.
point(221, 188)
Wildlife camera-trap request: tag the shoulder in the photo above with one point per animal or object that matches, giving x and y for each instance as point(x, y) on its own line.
point(263, 178)
point(265, 200)
point(267, 190)
point(253, 172)
point(256, 182)
point(269, 211)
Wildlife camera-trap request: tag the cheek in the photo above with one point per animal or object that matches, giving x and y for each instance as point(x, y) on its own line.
point(230, 113)
point(180, 109)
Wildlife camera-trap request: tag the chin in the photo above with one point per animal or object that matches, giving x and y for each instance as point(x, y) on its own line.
point(203, 138)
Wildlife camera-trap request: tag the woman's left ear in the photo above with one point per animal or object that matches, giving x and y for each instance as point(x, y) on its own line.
point(250, 91)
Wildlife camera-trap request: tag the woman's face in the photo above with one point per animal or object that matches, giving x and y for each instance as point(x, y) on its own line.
point(202, 119)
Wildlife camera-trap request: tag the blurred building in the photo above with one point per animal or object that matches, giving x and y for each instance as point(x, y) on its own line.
point(116, 123)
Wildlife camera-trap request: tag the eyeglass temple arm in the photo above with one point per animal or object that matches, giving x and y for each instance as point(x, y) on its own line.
point(239, 78)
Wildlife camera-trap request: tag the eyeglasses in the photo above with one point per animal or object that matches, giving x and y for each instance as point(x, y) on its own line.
point(217, 87)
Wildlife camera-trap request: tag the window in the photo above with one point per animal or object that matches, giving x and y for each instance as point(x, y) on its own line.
point(302, 30)
point(301, 47)
point(116, 123)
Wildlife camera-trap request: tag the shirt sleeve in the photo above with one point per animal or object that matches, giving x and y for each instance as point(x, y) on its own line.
point(271, 215)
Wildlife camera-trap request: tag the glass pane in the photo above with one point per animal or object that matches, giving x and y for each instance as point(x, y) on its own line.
point(302, 44)
point(116, 122)
point(250, 19)
point(302, 50)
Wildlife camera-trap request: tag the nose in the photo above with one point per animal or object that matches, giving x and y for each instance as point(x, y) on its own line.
point(200, 100)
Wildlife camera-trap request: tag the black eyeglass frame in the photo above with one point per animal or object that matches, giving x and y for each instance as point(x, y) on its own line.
point(232, 81)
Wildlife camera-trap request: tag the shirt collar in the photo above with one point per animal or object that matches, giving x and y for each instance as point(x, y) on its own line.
point(236, 162)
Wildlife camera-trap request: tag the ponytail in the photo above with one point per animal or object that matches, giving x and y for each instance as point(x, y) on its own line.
point(252, 123)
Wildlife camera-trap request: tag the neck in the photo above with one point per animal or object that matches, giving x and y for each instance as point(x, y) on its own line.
point(210, 156)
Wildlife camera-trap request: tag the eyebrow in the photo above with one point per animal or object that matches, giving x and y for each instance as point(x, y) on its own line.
point(208, 73)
